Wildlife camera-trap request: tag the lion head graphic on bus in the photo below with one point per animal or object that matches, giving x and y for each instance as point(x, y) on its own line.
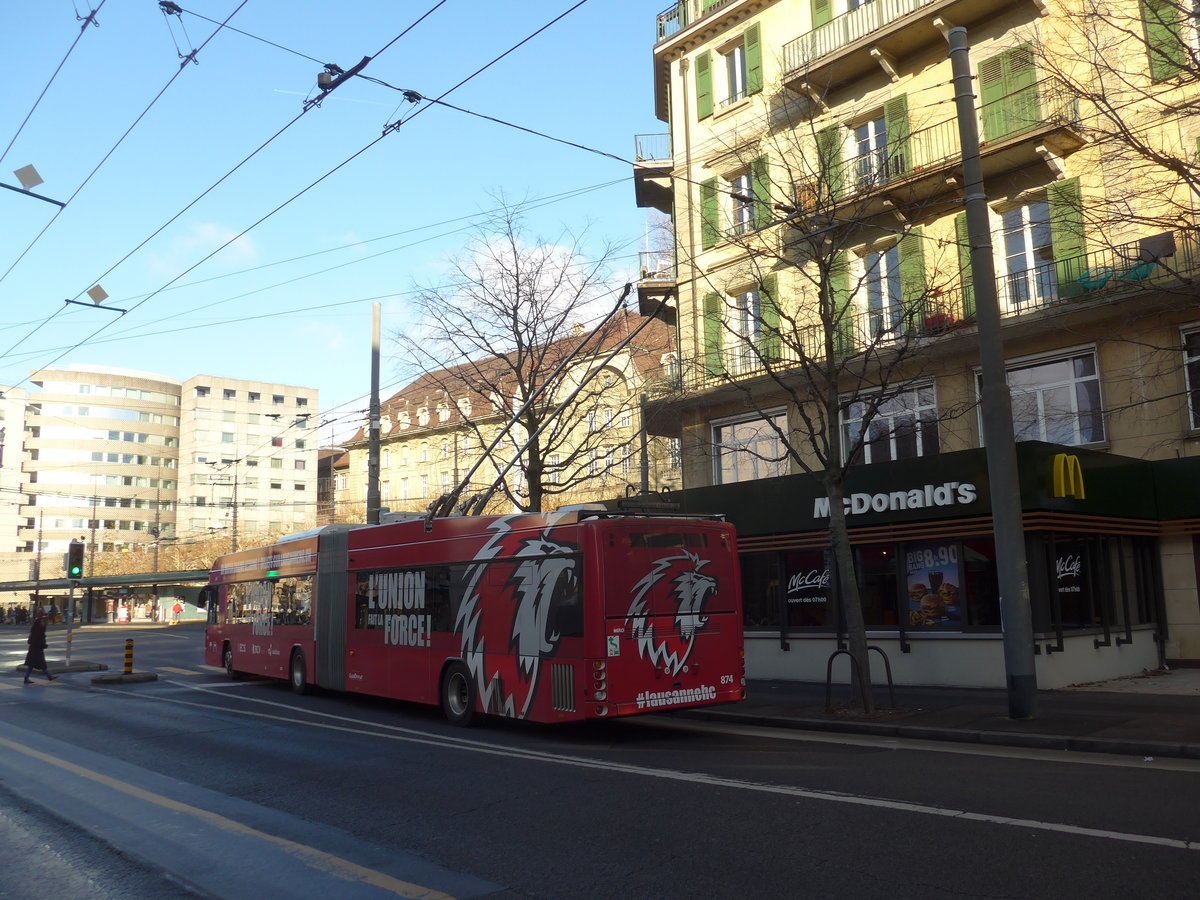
point(673, 582)
point(537, 572)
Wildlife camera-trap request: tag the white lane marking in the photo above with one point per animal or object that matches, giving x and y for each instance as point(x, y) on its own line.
point(413, 736)
point(1166, 763)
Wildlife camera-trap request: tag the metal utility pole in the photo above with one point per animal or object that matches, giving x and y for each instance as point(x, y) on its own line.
point(1007, 525)
point(373, 425)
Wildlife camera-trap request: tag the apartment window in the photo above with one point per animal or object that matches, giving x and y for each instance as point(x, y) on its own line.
point(741, 210)
point(445, 482)
point(341, 482)
point(1057, 400)
point(299, 465)
point(385, 491)
point(748, 449)
point(302, 401)
point(885, 309)
point(298, 486)
point(465, 443)
point(276, 463)
point(276, 485)
point(277, 442)
point(675, 453)
point(1191, 346)
point(404, 456)
point(226, 437)
point(251, 461)
point(1030, 278)
point(735, 72)
point(904, 425)
point(385, 459)
point(300, 444)
point(424, 485)
point(424, 453)
point(553, 470)
point(230, 394)
point(254, 395)
point(870, 156)
point(277, 399)
point(445, 449)
point(423, 415)
point(747, 325)
point(202, 391)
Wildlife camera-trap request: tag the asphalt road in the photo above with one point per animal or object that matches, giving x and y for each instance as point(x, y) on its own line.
point(241, 789)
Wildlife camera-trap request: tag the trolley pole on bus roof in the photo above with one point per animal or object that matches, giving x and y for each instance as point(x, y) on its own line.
point(373, 425)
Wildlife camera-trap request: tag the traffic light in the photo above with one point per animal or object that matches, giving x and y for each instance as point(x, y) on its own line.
point(75, 559)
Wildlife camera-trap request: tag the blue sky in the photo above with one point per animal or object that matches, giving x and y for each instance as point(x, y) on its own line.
point(291, 300)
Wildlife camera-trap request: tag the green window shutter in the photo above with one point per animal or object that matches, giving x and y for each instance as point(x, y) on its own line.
point(895, 119)
point(754, 70)
point(1008, 93)
point(841, 308)
point(714, 364)
point(710, 214)
point(769, 310)
point(911, 250)
point(1020, 81)
point(704, 85)
point(1067, 236)
point(991, 98)
point(822, 12)
point(829, 159)
point(1165, 47)
point(964, 265)
point(761, 185)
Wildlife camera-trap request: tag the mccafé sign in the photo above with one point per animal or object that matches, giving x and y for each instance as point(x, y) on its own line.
point(948, 493)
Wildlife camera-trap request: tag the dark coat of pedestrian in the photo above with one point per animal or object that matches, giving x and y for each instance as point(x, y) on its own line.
point(36, 657)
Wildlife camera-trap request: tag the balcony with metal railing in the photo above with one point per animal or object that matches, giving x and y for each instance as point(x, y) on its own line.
point(678, 16)
point(868, 37)
point(1039, 123)
point(652, 165)
point(1161, 264)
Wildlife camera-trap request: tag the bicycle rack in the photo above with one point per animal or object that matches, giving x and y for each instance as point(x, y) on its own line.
point(887, 665)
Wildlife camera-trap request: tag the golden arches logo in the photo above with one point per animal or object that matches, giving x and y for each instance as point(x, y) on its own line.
point(1066, 476)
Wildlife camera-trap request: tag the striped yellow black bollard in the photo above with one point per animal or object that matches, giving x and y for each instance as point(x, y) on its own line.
point(128, 656)
point(128, 675)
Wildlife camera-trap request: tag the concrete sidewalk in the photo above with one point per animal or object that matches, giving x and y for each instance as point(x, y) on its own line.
point(1150, 715)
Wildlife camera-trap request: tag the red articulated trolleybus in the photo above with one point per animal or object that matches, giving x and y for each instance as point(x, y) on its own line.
point(549, 617)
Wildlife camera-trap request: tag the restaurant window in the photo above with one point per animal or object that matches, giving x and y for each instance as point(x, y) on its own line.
point(1191, 347)
point(748, 449)
point(1057, 400)
point(904, 425)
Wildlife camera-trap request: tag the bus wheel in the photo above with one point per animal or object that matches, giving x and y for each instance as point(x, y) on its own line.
point(233, 673)
point(458, 695)
point(299, 677)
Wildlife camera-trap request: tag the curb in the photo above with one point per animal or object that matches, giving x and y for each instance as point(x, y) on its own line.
point(125, 677)
point(1079, 744)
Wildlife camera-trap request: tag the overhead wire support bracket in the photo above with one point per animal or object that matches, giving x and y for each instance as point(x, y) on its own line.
point(97, 306)
point(337, 81)
point(30, 193)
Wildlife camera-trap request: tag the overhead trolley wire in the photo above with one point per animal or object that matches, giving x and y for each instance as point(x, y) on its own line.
point(113, 149)
point(89, 19)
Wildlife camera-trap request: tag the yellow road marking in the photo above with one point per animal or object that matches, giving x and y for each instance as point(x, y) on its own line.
point(4, 686)
point(310, 856)
point(176, 671)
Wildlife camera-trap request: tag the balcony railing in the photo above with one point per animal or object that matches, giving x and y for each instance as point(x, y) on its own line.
point(1155, 262)
point(679, 16)
point(1041, 107)
point(651, 147)
point(845, 29)
point(657, 265)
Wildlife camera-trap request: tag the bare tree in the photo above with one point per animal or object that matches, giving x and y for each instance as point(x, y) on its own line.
point(520, 326)
point(832, 302)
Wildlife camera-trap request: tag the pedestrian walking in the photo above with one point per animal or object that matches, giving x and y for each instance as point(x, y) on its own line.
point(177, 611)
point(36, 657)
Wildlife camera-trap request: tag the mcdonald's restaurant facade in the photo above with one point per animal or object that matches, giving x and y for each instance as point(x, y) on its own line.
point(1112, 550)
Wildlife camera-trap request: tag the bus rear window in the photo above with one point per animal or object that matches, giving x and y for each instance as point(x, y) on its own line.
point(668, 539)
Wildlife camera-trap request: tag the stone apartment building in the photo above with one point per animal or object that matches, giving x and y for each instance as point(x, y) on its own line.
point(813, 173)
point(434, 431)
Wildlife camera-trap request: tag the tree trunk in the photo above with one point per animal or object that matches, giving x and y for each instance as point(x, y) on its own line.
point(856, 629)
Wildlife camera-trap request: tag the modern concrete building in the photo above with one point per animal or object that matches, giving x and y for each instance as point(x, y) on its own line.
point(128, 460)
point(814, 174)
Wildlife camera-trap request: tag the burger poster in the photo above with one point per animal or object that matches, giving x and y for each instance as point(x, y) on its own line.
point(933, 579)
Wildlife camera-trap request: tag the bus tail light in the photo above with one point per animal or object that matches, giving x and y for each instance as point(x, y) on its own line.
point(601, 711)
point(599, 695)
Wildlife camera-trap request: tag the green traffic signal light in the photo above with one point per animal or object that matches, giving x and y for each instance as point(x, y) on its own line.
point(75, 559)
